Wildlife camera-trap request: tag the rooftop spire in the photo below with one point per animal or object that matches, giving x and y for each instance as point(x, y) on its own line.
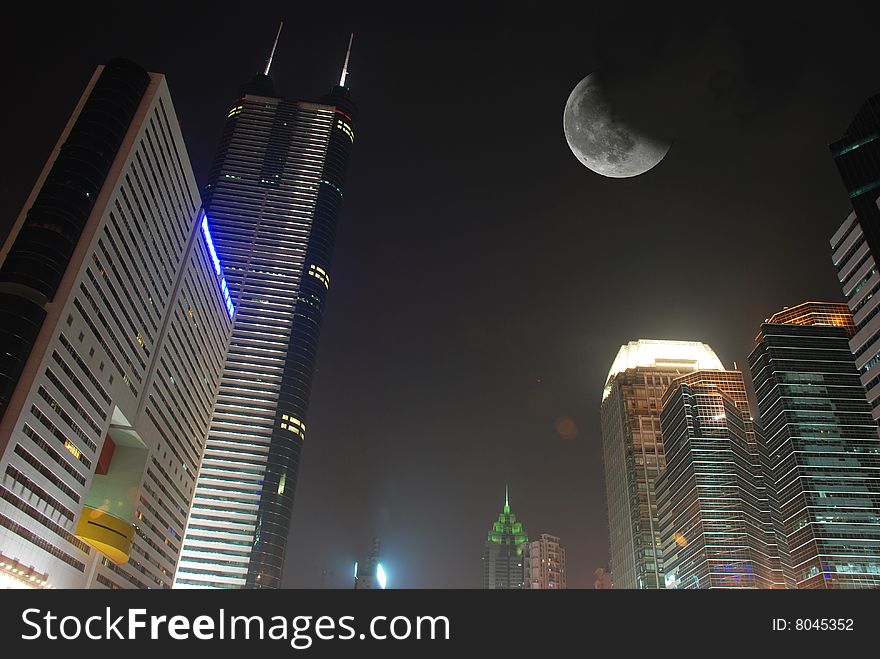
point(506, 501)
point(345, 66)
point(274, 45)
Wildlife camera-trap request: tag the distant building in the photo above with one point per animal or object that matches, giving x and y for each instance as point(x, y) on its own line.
point(713, 508)
point(370, 574)
point(115, 322)
point(821, 448)
point(602, 579)
point(503, 552)
point(544, 563)
point(633, 450)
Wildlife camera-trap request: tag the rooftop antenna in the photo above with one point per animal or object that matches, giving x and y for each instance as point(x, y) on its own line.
point(345, 66)
point(274, 45)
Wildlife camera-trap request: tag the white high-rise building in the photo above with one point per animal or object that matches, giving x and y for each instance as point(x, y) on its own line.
point(857, 272)
point(116, 322)
point(544, 563)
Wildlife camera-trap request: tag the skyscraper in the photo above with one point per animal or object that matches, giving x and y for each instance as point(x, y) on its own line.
point(116, 310)
point(633, 450)
point(857, 156)
point(503, 552)
point(822, 448)
point(857, 272)
point(274, 195)
point(855, 246)
point(544, 563)
point(713, 508)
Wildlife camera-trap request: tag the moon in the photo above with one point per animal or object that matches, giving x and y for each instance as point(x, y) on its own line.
point(601, 140)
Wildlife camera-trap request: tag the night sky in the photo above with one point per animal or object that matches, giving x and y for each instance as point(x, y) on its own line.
point(483, 279)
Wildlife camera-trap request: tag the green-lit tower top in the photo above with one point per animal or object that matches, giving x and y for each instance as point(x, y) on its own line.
point(507, 531)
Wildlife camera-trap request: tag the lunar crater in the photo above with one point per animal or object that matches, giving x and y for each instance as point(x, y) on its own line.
point(602, 141)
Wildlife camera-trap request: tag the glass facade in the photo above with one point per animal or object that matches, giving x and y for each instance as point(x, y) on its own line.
point(821, 448)
point(44, 243)
point(633, 452)
point(273, 200)
point(503, 552)
point(714, 512)
point(857, 156)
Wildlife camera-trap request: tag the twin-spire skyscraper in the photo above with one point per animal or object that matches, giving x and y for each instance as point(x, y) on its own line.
point(273, 200)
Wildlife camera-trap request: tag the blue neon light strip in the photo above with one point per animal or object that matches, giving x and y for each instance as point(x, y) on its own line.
point(217, 269)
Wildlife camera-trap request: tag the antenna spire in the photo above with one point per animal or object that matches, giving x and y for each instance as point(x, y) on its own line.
point(345, 66)
point(274, 45)
point(506, 500)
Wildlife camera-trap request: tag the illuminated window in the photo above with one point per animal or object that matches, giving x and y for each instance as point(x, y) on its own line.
point(320, 274)
point(74, 451)
point(345, 128)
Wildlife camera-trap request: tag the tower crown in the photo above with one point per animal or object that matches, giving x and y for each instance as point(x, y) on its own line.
point(689, 355)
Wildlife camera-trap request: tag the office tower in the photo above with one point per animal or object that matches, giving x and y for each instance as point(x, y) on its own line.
point(115, 307)
point(713, 508)
point(857, 156)
point(503, 551)
point(370, 575)
point(855, 246)
point(633, 450)
point(544, 563)
point(822, 448)
point(857, 272)
point(274, 196)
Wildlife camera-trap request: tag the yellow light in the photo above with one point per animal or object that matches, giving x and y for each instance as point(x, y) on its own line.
point(687, 355)
point(320, 274)
point(72, 448)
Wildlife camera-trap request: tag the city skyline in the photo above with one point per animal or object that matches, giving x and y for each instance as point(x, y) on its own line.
point(425, 369)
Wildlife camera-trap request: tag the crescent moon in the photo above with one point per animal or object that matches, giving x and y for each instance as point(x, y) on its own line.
point(602, 141)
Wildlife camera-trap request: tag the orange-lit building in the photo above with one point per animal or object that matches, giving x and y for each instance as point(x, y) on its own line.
point(821, 448)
